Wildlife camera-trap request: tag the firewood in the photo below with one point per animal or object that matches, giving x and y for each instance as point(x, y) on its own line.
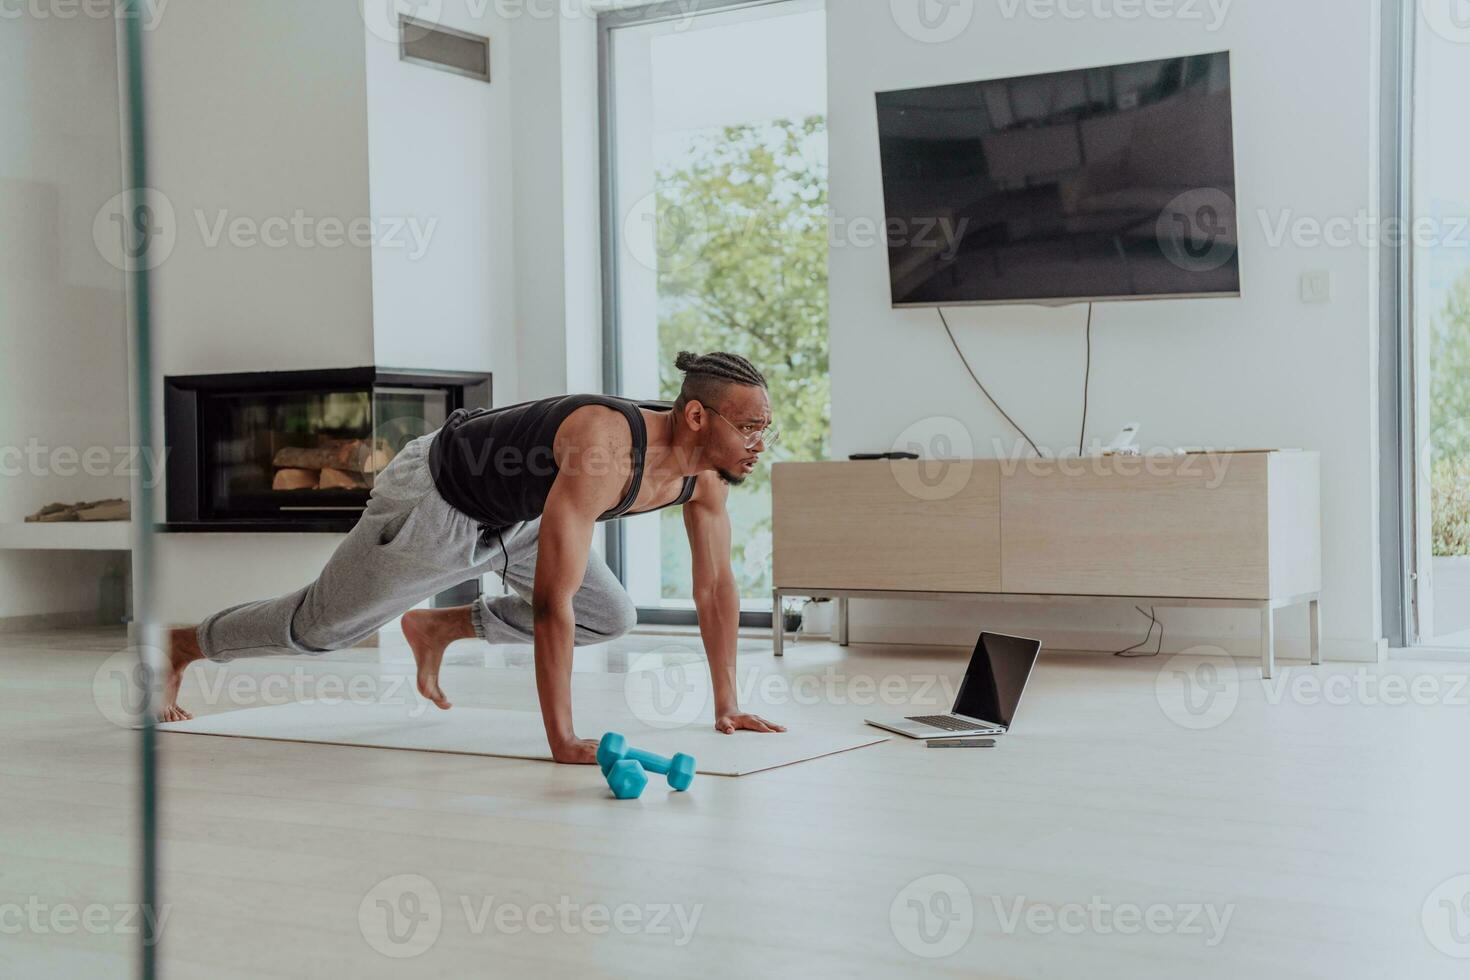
point(105, 510)
point(294, 479)
point(356, 455)
point(372, 459)
point(341, 480)
point(113, 509)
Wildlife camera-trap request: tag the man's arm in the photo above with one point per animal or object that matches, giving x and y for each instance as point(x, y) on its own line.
point(717, 600)
point(578, 496)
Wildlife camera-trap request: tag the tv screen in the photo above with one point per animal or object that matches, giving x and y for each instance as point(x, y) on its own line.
point(1093, 184)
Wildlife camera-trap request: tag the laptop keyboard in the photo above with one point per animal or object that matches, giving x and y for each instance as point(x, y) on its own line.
point(944, 721)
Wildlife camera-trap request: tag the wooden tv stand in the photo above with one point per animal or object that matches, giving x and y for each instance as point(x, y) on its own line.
point(1207, 529)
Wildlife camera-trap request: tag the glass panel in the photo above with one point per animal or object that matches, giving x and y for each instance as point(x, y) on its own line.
point(721, 197)
point(1442, 313)
point(76, 790)
point(267, 446)
point(403, 414)
point(268, 453)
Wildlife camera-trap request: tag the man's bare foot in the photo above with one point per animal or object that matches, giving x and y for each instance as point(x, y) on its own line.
point(428, 632)
point(183, 650)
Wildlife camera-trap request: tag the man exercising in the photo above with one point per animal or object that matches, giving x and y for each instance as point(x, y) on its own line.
point(518, 491)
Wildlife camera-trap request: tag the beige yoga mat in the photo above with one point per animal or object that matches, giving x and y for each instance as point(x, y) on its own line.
point(513, 734)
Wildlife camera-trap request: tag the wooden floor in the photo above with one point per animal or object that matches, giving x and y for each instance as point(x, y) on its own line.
point(1122, 831)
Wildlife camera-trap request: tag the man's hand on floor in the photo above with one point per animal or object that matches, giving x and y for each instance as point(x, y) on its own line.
point(731, 723)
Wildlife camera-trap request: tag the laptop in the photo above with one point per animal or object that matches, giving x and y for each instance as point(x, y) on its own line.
point(988, 696)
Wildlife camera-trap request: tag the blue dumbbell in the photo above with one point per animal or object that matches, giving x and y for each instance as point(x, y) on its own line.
point(626, 779)
point(614, 748)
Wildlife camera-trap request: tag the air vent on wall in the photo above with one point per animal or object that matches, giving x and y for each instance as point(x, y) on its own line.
point(443, 48)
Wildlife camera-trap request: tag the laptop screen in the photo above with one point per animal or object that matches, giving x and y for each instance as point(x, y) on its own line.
point(996, 676)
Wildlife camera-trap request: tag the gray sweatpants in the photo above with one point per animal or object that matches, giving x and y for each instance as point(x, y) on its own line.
point(409, 545)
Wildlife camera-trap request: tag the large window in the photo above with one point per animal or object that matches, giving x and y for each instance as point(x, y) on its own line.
point(1441, 304)
point(717, 163)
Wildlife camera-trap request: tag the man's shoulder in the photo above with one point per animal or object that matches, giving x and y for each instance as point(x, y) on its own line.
point(597, 423)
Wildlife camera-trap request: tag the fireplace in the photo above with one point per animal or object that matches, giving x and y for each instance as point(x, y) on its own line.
point(295, 450)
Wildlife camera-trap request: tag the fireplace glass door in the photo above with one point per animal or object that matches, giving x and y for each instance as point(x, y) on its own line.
point(284, 452)
point(296, 450)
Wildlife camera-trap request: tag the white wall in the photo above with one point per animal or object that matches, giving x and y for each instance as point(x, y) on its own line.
point(554, 139)
point(581, 203)
point(258, 110)
point(1262, 370)
point(63, 340)
point(271, 107)
point(440, 161)
point(554, 143)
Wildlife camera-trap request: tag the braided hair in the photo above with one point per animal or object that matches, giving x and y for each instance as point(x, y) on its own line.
point(706, 376)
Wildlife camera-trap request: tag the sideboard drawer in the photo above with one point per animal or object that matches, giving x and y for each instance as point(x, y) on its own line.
point(1154, 526)
point(930, 525)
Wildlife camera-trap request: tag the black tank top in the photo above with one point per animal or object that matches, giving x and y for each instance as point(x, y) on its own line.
point(496, 465)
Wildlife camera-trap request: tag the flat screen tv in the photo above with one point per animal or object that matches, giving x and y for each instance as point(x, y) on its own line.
point(1095, 184)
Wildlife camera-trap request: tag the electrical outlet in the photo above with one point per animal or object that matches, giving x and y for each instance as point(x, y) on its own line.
point(1317, 286)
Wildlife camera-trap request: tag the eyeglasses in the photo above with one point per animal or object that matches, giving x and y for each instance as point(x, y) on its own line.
point(752, 432)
